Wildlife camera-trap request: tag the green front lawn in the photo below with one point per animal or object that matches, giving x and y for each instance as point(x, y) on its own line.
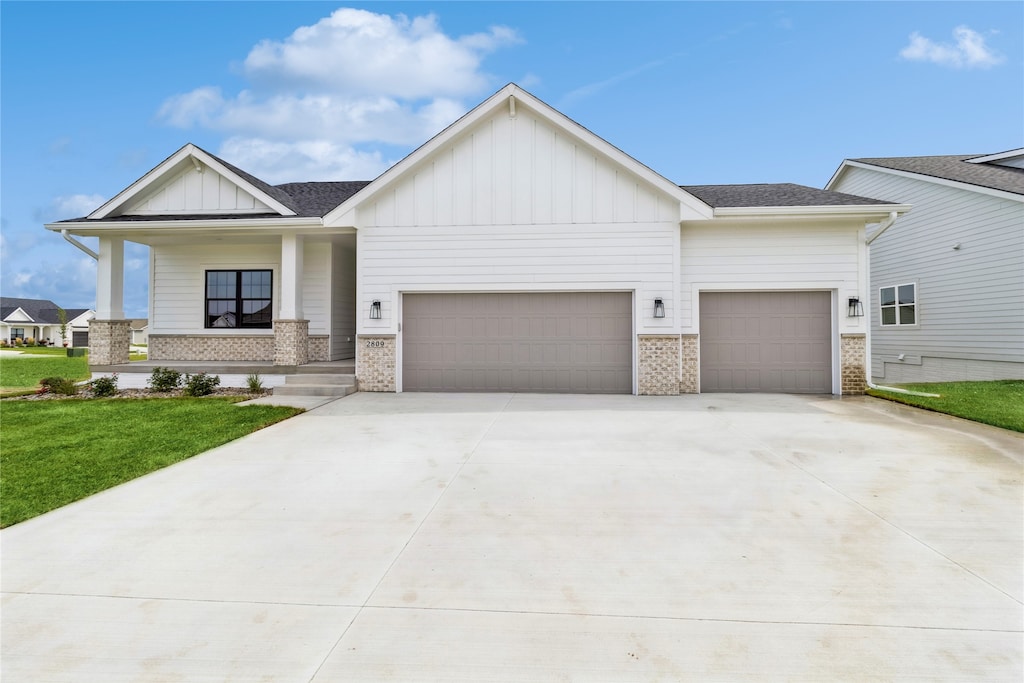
point(58, 451)
point(34, 364)
point(1000, 403)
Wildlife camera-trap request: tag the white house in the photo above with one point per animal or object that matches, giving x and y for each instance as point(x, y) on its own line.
point(947, 280)
point(515, 251)
point(39, 319)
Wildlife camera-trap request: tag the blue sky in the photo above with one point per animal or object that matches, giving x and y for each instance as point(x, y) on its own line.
point(95, 94)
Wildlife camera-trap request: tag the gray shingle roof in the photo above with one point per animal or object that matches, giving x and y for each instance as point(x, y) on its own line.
point(40, 310)
point(774, 194)
point(319, 199)
point(957, 168)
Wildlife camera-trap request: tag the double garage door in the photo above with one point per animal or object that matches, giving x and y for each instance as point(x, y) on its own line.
point(566, 342)
point(778, 342)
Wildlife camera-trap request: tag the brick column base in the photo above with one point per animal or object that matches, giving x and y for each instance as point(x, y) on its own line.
point(657, 365)
point(108, 342)
point(291, 342)
point(852, 359)
point(689, 350)
point(375, 363)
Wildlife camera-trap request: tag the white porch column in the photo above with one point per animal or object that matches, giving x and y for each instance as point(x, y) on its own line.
point(291, 277)
point(110, 279)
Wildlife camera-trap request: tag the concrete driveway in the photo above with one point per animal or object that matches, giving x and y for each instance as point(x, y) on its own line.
point(523, 537)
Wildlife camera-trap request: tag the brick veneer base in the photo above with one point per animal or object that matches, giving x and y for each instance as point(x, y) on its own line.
point(853, 380)
point(657, 365)
point(319, 348)
point(689, 371)
point(375, 363)
point(211, 347)
point(109, 341)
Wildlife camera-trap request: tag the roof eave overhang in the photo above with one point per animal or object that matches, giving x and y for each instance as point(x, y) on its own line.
point(93, 227)
point(873, 212)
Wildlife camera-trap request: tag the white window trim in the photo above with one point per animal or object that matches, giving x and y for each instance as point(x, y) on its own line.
point(896, 306)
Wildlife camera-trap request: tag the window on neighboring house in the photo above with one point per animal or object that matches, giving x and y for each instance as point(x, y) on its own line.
point(17, 333)
point(239, 298)
point(898, 305)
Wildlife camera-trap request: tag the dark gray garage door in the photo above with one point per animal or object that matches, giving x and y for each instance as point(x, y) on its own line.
point(577, 342)
point(79, 339)
point(766, 341)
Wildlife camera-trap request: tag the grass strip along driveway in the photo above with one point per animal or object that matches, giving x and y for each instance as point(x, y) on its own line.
point(999, 403)
point(59, 451)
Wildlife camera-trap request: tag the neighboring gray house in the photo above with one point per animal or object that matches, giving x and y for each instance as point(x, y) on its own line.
point(947, 279)
point(39, 319)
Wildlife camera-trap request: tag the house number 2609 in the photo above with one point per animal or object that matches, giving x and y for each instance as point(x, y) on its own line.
point(374, 343)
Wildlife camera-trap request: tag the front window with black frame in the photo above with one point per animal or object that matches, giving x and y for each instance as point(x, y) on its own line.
point(239, 299)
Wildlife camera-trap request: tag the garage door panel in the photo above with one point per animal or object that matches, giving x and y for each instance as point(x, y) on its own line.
point(545, 342)
point(766, 341)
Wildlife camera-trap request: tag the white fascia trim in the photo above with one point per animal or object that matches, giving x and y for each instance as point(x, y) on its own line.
point(189, 150)
point(691, 208)
point(1009, 154)
point(81, 227)
point(980, 189)
point(876, 212)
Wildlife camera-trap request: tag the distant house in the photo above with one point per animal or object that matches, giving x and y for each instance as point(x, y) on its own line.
point(139, 331)
point(514, 251)
point(947, 279)
point(39, 319)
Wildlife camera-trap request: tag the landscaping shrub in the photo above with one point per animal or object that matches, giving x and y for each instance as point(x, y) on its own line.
point(254, 383)
point(164, 379)
point(63, 386)
point(104, 386)
point(200, 384)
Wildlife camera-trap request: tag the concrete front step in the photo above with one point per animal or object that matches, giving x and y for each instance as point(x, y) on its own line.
point(311, 378)
point(338, 390)
point(317, 384)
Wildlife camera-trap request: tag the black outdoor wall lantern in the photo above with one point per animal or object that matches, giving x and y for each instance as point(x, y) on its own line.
point(855, 308)
point(375, 310)
point(659, 308)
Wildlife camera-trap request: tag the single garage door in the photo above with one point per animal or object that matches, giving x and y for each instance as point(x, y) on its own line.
point(572, 342)
point(79, 339)
point(766, 342)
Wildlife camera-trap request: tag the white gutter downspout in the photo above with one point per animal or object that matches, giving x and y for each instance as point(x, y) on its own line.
point(64, 233)
point(885, 225)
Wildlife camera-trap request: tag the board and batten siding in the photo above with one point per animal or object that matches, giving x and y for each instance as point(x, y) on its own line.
point(515, 205)
point(771, 256)
point(194, 192)
point(179, 290)
point(970, 300)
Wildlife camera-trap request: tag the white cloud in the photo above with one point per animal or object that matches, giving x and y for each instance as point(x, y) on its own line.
point(281, 162)
point(969, 50)
point(363, 53)
point(352, 78)
point(74, 205)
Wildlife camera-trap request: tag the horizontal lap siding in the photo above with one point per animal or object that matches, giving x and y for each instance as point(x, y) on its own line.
point(768, 256)
point(179, 283)
point(971, 300)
